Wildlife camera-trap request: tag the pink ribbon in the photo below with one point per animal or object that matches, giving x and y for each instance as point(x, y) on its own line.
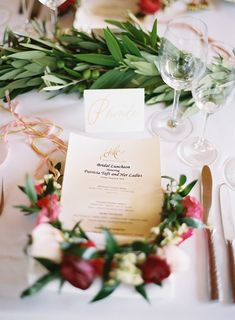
point(34, 129)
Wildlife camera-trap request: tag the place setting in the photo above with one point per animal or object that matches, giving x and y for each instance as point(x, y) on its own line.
point(113, 201)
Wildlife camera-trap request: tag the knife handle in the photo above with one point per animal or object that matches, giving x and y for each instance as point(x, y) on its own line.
point(231, 263)
point(213, 275)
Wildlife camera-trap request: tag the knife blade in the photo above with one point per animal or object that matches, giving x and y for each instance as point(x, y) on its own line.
point(228, 231)
point(206, 198)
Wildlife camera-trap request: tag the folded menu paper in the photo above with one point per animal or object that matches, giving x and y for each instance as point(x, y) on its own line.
point(112, 184)
point(114, 110)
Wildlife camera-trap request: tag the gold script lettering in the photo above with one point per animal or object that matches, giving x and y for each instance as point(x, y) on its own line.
point(101, 109)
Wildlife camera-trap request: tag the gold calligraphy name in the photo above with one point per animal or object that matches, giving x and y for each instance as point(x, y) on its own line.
point(102, 109)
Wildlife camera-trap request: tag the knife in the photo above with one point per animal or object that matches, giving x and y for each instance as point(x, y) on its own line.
point(206, 198)
point(228, 231)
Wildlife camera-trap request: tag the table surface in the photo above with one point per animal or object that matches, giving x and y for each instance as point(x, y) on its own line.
point(190, 299)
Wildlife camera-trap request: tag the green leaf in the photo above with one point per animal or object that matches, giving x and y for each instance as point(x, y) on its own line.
point(113, 45)
point(30, 189)
point(19, 63)
point(54, 79)
point(192, 222)
point(82, 232)
point(141, 290)
point(98, 59)
point(182, 180)
point(50, 186)
point(48, 264)
point(55, 88)
point(39, 284)
point(27, 74)
point(28, 55)
point(113, 79)
point(26, 209)
point(10, 75)
point(88, 45)
point(153, 34)
point(35, 47)
point(131, 46)
point(145, 68)
point(142, 246)
point(187, 189)
point(106, 290)
point(33, 67)
point(111, 243)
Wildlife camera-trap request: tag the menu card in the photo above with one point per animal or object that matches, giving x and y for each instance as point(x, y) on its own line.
point(112, 184)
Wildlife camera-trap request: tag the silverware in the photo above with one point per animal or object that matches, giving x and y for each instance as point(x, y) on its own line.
point(2, 200)
point(228, 231)
point(206, 198)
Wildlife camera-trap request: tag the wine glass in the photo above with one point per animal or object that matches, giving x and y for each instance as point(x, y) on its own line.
point(53, 5)
point(210, 93)
point(182, 59)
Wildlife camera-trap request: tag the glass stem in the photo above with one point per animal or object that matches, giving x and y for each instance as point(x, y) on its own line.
point(173, 121)
point(25, 9)
point(202, 138)
point(54, 20)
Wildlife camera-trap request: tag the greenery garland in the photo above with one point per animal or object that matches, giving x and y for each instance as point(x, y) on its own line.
point(76, 61)
point(69, 255)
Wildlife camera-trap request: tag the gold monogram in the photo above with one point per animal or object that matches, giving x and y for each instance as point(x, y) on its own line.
point(112, 153)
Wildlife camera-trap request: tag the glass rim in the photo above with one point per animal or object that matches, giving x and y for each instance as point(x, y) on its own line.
point(203, 34)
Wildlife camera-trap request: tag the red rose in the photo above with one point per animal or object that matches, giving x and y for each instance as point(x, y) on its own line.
point(193, 208)
point(64, 6)
point(150, 6)
point(98, 265)
point(77, 271)
point(50, 208)
point(155, 269)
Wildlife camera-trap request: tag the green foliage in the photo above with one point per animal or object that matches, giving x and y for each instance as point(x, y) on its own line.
point(78, 61)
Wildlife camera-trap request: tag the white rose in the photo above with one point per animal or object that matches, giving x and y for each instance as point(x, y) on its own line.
point(177, 259)
point(46, 242)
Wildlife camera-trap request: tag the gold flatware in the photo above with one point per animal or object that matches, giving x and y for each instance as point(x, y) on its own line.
point(228, 232)
point(2, 200)
point(206, 198)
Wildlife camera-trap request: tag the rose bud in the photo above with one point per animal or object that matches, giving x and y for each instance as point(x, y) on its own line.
point(150, 6)
point(77, 271)
point(155, 269)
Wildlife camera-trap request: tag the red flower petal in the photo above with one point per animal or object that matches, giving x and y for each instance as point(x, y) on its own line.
point(98, 265)
point(150, 6)
point(155, 269)
point(77, 271)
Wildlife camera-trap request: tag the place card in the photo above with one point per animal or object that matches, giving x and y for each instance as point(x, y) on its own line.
point(114, 184)
point(114, 110)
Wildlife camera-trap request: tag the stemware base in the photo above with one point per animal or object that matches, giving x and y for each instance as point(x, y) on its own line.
point(229, 172)
point(195, 153)
point(159, 125)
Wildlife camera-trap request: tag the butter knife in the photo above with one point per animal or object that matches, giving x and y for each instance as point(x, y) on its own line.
point(206, 198)
point(228, 231)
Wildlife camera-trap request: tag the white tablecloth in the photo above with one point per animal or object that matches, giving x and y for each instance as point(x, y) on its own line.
point(191, 297)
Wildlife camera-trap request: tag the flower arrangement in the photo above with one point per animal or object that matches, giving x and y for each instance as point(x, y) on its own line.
point(69, 255)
